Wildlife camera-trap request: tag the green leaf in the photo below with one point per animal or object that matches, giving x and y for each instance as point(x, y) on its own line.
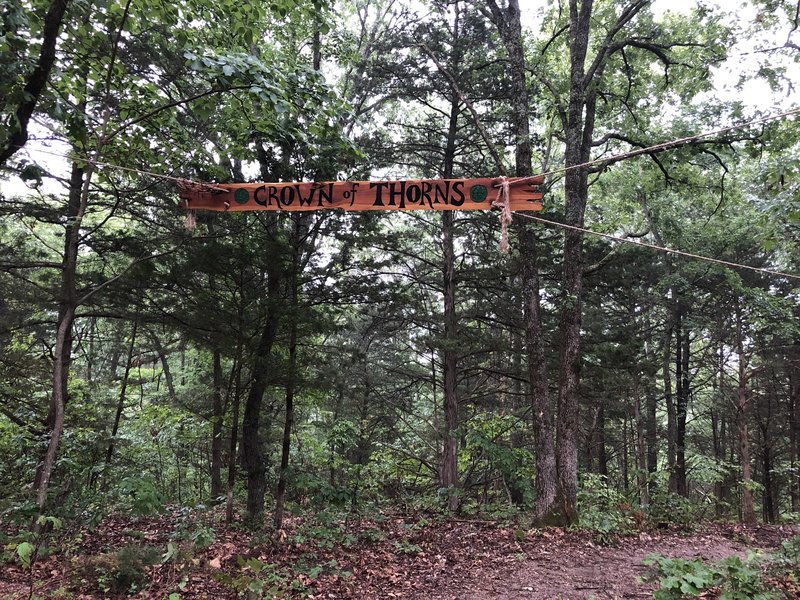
point(25, 553)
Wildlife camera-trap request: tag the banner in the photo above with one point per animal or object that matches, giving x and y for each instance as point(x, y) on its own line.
point(424, 194)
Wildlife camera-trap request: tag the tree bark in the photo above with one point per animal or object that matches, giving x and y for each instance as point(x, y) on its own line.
point(123, 388)
point(748, 511)
point(682, 347)
point(62, 353)
point(449, 476)
point(237, 396)
point(288, 423)
point(509, 25)
point(218, 415)
point(794, 433)
point(578, 134)
point(449, 471)
point(37, 80)
point(162, 357)
point(641, 452)
point(669, 401)
point(252, 453)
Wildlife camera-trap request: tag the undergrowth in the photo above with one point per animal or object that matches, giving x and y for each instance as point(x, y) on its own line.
point(774, 576)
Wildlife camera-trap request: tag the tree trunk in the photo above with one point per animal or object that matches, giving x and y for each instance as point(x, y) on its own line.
point(641, 453)
point(449, 472)
point(681, 400)
point(37, 80)
point(449, 475)
point(120, 403)
point(794, 434)
point(218, 414)
point(162, 357)
point(768, 497)
point(666, 372)
point(510, 27)
point(237, 397)
point(578, 137)
point(62, 353)
point(288, 423)
point(600, 431)
point(651, 426)
point(748, 511)
point(252, 453)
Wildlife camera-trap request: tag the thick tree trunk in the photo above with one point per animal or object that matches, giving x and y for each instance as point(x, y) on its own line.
point(449, 471)
point(253, 458)
point(579, 126)
point(217, 417)
point(288, 423)
point(510, 27)
point(546, 482)
point(449, 475)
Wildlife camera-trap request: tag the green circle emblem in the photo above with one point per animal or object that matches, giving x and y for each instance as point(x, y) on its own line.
point(478, 193)
point(241, 196)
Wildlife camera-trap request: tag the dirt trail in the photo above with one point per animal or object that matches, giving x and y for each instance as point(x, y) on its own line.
point(561, 567)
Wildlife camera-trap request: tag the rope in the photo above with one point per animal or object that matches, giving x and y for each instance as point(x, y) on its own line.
point(503, 202)
point(659, 248)
point(181, 181)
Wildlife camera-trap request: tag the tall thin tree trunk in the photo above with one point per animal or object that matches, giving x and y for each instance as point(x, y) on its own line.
point(600, 430)
point(62, 352)
point(509, 25)
point(449, 472)
point(794, 434)
point(641, 452)
point(748, 510)
point(217, 417)
point(666, 372)
point(288, 423)
point(682, 346)
point(123, 388)
point(162, 357)
point(237, 397)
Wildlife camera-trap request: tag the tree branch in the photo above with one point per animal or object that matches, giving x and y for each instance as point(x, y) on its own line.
point(38, 78)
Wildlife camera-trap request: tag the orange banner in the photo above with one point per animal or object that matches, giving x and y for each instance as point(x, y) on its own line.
point(424, 194)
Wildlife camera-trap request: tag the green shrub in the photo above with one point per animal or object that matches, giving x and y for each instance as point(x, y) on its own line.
point(730, 579)
point(141, 495)
point(601, 509)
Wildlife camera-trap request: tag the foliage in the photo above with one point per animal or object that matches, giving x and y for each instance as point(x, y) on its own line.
point(141, 495)
point(168, 321)
point(121, 572)
point(732, 578)
point(603, 510)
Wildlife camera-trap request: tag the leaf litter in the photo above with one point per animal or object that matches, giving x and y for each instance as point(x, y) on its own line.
point(394, 556)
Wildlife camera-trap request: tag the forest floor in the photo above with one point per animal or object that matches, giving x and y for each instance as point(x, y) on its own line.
point(189, 555)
